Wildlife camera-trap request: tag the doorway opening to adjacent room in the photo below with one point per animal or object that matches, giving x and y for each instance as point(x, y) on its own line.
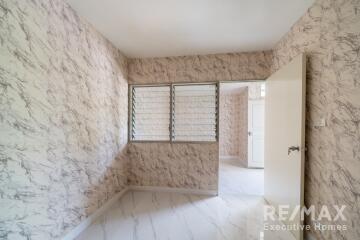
point(262, 139)
point(241, 137)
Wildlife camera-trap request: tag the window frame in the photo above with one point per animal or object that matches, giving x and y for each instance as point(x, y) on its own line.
point(171, 115)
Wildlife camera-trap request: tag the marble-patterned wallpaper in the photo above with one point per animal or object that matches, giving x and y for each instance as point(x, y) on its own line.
point(180, 165)
point(234, 98)
point(329, 34)
point(63, 119)
point(207, 68)
point(243, 126)
point(154, 164)
point(233, 123)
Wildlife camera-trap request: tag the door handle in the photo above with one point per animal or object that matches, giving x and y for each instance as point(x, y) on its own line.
point(249, 133)
point(293, 148)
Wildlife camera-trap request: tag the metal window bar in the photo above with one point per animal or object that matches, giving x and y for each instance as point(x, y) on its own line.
point(189, 103)
point(150, 113)
point(189, 129)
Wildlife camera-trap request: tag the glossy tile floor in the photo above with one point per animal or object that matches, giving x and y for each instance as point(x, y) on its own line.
point(234, 178)
point(232, 215)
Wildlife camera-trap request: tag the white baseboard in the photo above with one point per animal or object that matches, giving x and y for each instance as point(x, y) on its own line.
point(174, 190)
point(89, 220)
point(229, 158)
point(234, 158)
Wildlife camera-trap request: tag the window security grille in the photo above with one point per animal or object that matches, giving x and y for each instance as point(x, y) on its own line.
point(194, 112)
point(193, 107)
point(150, 118)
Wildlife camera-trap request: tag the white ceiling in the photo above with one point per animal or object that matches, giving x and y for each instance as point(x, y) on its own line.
point(160, 28)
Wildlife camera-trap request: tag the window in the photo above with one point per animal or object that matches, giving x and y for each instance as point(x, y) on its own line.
point(193, 115)
point(150, 118)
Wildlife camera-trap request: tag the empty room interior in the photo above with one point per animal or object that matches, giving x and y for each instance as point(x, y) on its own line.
point(180, 120)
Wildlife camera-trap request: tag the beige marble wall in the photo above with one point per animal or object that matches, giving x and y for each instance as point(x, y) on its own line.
point(155, 163)
point(243, 126)
point(329, 33)
point(63, 119)
point(234, 98)
point(207, 68)
point(233, 123)
point(191, 165)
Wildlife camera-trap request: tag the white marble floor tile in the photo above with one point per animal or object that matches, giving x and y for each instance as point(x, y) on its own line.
point(232, 215)
point(234, 178)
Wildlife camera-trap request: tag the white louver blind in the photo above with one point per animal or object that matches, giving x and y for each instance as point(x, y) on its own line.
point(194, 112)
point(150, 118)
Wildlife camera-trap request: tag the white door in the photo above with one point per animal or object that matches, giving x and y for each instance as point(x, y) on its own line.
point(285, 139)
point(256, 133)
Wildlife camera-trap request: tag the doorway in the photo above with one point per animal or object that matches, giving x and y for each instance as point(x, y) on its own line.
point(281, 138)
point(241, 137)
